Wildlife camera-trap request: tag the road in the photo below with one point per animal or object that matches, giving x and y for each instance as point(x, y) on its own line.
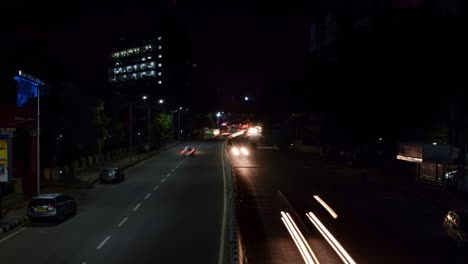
point(377, 221)
point(169, 210)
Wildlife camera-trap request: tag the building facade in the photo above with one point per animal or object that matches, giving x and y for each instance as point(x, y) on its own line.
point(138, 66)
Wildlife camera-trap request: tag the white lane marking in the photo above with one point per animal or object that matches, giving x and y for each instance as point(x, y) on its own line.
point(136, 207)
point(147, 196)
point(173, 170)
point(326, 206)
point(168, 175)
point(163, 180)
point(15, 233)
point(223, 223)
point(123, 221)
point(156, 187)
point(103, 242)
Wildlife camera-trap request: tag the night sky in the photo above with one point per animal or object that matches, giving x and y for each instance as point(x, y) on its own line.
point(241, 48)
point(238, 49)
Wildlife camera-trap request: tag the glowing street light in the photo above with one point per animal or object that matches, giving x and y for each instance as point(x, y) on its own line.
point(246, 98)
point(161, 101)
point(218, 114)
point(144, 97)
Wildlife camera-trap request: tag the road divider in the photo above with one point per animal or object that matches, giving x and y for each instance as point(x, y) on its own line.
point(326, 206)
point(301, 244)
point(163, 180)
point(147, 196)
point(331, 239)
point(156, 187)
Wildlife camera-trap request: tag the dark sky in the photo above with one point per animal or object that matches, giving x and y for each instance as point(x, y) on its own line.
point(237, 47)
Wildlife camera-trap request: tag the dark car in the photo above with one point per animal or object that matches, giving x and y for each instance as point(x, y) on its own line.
point(188, 151)
point(51, 206)
point(111, 175)
point(456, 225)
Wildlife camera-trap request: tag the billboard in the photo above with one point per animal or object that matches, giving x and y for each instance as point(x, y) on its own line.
point(4, 157)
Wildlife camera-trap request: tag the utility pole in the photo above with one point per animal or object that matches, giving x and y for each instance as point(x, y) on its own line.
point(149, 124)
point(38, 142)
point(130, 124)
point(172, 125)
point(179, 124)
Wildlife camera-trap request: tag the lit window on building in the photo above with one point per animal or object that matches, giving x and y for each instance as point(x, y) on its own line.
point(149, 57)
point(159, 47)
point(134, 76)
point(159, 82)
point(143, 59)
point(159, 73)
point(159, 56)
point(129, 68)
point(159, 64)
point(159, 38)
point(152, 73)
point(151, 65)
point(143, 66)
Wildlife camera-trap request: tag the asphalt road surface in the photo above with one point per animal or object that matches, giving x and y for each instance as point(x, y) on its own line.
point(377, 222)
point(169, 210)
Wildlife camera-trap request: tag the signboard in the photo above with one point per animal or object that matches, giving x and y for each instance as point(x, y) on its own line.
point(4, 157)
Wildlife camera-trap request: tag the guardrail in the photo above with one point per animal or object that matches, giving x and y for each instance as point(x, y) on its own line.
point(234, 250)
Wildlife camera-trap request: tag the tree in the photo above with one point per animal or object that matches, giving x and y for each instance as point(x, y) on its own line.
point(162, 124)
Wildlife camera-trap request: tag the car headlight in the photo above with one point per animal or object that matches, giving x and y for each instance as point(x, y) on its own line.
point(244, 151)
point(235, 151)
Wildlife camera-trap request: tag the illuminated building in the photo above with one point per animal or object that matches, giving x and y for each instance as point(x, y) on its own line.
point(138, 65)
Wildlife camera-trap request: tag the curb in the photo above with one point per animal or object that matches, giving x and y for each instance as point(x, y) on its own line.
point(23, 220)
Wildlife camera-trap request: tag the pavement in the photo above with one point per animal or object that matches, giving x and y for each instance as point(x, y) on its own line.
point(14, 211)
point(168, 210)
point(383, 219)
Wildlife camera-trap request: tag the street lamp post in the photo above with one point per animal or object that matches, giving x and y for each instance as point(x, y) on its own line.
point(180, 110)
point(149, 119)
point(38, 143)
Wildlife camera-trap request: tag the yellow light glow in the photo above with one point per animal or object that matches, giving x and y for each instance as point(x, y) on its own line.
point(235, 151)
point(410, 159)
point(325, 205)
point(331, 239)
point(244, 151)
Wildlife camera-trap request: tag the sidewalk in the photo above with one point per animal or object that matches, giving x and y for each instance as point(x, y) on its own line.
point(14, 206)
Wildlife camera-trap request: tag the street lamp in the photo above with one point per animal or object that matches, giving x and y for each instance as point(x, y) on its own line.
point(246, 98)
point(161, 101)
point(218, 115)
point(149, 119)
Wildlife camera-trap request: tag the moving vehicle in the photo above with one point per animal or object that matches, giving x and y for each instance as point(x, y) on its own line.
point(51, 206)
point(188, 151)
point(111, 175)
point(456, 225)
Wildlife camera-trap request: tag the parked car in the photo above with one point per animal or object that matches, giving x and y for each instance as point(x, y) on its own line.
point(456, 225)
point(51, 206)
point(111, 175)
point(188, 151)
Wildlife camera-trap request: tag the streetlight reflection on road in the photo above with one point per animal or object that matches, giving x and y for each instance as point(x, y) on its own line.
point(331, 239)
